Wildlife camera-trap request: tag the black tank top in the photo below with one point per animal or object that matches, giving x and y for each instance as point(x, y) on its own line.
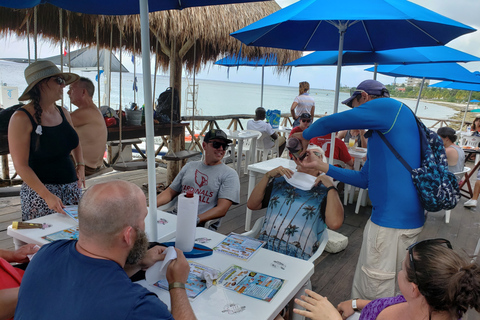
point(49, 154)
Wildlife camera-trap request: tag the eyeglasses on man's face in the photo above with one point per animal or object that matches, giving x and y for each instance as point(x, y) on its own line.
point(437, 241)
point(217, 145)
point(306, 120)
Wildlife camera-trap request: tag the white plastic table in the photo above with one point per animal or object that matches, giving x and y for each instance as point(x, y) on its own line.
point(166, 227)
point(262, 168)
point(215, 302)
point(283, 130)
point(241, 136)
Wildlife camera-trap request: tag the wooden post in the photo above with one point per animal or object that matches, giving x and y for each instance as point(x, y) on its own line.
point(178, 142)
point(5, 169)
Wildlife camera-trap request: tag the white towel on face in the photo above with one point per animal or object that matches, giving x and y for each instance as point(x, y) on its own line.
point(301, 180)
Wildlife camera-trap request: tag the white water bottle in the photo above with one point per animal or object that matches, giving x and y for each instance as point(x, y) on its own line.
point(187, 212)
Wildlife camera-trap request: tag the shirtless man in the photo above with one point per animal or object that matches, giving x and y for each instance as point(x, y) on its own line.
point(89, 124)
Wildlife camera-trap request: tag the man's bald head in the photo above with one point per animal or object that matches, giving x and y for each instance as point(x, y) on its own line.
point(107, 208)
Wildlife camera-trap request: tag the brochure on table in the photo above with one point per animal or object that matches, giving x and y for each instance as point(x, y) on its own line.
point(67, 234)
point(239, 246)
point(195, 282)
point(72, 212)
point(247, 282)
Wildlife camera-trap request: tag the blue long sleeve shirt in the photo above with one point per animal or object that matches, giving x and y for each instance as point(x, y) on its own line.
point(395, 201)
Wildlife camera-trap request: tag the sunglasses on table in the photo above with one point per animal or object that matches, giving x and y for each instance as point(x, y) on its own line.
point(437, 241)
point(59, 80)
point(217, 145)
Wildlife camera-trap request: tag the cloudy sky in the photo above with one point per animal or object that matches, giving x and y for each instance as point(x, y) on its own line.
point(465, 11)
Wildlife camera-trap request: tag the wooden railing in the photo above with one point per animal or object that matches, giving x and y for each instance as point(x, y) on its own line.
point(210, 122)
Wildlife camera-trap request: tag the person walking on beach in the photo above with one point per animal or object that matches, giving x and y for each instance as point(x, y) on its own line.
point(397, 215)
point(89, 123)
point(303, 103)
point(41, 138)
point(259, 124)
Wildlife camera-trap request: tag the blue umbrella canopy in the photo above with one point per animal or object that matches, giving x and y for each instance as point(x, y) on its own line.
point(458, 86)
point(475, 101)
point(394, 56)
point(437, 71)
point(312, 25)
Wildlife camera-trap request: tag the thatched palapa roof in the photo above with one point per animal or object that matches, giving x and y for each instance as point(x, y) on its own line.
point(206, 27)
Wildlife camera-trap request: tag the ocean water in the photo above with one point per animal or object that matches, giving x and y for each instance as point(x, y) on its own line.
point(214, 97)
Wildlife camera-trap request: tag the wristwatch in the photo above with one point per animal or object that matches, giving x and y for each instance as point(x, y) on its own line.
point(354, 305)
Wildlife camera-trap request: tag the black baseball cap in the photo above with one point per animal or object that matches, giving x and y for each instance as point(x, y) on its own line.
point(216, 134)
point(305, 116)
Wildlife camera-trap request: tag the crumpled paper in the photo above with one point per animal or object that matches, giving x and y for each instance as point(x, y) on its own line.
point(158, 271)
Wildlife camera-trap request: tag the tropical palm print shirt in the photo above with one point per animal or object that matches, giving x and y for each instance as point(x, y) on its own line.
point(295, 219)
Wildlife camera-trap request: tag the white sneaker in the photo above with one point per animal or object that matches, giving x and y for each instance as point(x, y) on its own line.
point(470, 203)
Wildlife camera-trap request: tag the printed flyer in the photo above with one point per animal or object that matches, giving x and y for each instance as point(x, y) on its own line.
point(239, 246)
point(67, 234)
point(253, 284)
point(195, 283)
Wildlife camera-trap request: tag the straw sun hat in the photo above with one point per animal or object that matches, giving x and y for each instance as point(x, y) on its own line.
point(43, 69)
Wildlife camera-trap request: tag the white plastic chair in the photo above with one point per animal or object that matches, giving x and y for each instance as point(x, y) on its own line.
point(263, 153)
point(459, 176)
point(253, 233)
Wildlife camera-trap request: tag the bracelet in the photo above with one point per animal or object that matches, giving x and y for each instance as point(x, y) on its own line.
point(174, 285)
point(332, 187)
point(80, 164)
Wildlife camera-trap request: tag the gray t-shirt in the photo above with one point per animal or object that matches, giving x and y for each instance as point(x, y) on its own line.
point(209, 182)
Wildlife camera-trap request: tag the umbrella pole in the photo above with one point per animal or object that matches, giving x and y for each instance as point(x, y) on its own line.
point(375, 71)
point(419, 94)
point(263, 78)
point(341, 30)
point(151, 221)
point(466, 110)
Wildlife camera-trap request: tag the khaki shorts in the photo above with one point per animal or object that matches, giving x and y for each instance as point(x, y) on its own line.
point(380, 260)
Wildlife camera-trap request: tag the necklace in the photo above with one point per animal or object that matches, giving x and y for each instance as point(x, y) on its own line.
point(93, 254)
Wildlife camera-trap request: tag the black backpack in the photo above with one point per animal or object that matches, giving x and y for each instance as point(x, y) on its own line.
point(163, 111)
point(5, 116)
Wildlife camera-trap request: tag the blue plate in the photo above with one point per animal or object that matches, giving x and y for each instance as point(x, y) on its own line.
point(197, 252)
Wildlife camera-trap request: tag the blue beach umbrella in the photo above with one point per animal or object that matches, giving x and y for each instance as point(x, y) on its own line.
point(319, 25)
point(414, 55)
point(475, 101)
point(437, 71)
point(237, 61)
point(127, 7)
point(460, 86)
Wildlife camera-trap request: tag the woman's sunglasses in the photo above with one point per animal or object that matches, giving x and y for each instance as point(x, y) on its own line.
point(437, 241)
point(217, 145)
point(59, 80)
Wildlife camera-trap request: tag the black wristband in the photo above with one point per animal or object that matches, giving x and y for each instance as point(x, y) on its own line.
point(330, 188)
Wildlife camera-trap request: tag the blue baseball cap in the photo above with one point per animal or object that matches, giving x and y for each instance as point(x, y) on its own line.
point(370, 87)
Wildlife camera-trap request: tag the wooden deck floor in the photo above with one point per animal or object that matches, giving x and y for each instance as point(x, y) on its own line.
point(333, 272)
